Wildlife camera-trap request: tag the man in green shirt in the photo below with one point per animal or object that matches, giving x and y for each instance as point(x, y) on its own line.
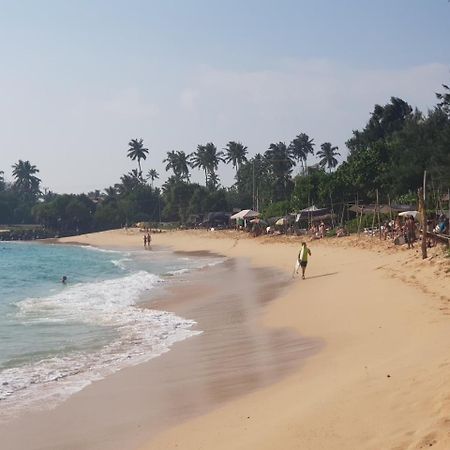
point(303, 258)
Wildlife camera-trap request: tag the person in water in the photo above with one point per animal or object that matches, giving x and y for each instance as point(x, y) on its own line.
point(303, 258)
point(64, 280)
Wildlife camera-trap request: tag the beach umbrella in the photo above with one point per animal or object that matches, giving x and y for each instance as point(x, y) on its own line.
point(259, 221)
point(409, 213)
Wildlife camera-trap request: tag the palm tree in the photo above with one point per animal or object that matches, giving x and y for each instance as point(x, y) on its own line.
point(183, 164)
point(137, 151)
point(281, 163)
point(26, 181)
point(130, 181)
point(152, 175)
point(179, 163)
point(327, 155)
point(206, 158)
point(235, 153)
point(300, 147)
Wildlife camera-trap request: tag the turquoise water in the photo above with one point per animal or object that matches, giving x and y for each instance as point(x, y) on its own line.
point(55, 338)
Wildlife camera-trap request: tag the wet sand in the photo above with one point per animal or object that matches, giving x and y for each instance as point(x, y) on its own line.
point(235, 355)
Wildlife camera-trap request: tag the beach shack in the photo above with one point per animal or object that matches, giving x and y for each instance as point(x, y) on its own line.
point(243, 218)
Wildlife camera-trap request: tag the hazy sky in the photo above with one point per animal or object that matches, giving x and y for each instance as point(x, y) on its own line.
point(78, 78)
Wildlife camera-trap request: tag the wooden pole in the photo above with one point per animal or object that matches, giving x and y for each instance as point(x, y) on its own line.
point(360, 220)
point(332, 211)
point(423, 217)
point(379, 218)
point(374, 213)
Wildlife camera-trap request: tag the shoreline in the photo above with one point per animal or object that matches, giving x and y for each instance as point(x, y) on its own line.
point(380, 380)
point(265, 357)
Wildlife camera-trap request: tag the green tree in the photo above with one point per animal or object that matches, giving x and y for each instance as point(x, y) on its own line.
point(327, 154)
point(178, 162)
point(26, 182)
point(207, 158)
point(301, 147)
point(137, 151)
point(236, 153)
point(152, 175)
point(129, 182)
point(281, 164)
point(444, 99)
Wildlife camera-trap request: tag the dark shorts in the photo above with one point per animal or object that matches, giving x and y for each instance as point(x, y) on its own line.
point(303, 263)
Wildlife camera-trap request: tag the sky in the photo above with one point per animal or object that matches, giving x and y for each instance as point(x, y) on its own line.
point(79, 79)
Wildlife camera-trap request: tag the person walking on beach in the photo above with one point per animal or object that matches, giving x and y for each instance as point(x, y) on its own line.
point(145, 241)
point(149, 239)
point(302, 260)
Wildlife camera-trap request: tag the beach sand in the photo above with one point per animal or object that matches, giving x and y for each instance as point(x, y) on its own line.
point(372, 325)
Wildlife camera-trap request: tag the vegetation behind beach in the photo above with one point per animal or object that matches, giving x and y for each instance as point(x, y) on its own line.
point(389, 155)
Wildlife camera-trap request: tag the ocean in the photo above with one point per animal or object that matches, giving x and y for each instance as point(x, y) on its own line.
point(57, 338)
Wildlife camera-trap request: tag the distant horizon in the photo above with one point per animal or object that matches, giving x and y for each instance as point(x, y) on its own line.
point(80, 80)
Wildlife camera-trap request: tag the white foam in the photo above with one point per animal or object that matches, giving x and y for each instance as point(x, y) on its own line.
point(142, 334)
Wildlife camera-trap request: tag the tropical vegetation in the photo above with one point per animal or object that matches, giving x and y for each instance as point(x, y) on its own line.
point(387, 157)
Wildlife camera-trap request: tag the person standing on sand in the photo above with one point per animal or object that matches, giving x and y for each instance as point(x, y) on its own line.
point(410, 231)
point(302, 260)
point(145, 241)
point(149, 239)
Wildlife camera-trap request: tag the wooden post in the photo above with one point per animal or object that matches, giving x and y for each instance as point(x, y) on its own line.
point(332, 211)
point(360, 220)
point(423, 217)
point(379, 218)
point(373, 218)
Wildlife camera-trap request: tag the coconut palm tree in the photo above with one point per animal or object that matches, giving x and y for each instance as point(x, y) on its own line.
point(130, 181)
point(152, 175)
point(206, 158)
point(137, 151)
point(236, 153)
point(300, 147)
point(327, 155)
point(281, 163)
point(25, 179)
point(178, 162)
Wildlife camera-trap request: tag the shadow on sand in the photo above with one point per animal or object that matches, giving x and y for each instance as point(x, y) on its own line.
point(323, 275)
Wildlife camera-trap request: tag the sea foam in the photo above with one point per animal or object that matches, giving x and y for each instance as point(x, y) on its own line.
point(139, 335)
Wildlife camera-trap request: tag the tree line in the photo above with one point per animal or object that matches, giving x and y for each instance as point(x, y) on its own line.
point(388, 156)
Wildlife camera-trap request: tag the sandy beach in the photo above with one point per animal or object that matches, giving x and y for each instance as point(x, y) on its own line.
point(354, 357)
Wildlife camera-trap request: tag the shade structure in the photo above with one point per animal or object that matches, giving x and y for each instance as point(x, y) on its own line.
point(312, 212)
point(260, 221)
point(409, 213)
point(382, 209)
point(245, 214)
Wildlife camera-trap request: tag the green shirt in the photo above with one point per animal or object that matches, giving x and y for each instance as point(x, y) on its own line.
point(303, 257)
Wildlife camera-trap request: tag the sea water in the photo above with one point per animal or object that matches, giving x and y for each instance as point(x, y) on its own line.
point(57, 338)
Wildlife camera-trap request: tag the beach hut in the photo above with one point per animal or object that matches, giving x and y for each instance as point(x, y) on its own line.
point(246, 214)
point(243, 216)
